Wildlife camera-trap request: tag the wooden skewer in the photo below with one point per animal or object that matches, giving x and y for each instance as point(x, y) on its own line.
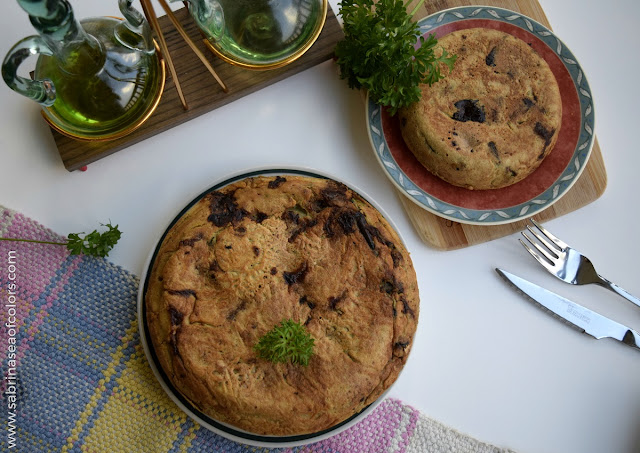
point(191, 44)
point(147, 7)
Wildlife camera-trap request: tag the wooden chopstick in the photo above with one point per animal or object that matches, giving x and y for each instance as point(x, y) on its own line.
point(191, 44)
point(147, 7)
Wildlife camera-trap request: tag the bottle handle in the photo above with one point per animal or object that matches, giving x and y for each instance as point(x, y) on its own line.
point(134, 32)
point(209, 16)
point(42, 91)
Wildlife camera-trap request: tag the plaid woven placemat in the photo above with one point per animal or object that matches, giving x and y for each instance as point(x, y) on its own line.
point(75, 376)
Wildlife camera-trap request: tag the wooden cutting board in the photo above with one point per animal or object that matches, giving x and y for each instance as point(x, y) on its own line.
point(445, 234)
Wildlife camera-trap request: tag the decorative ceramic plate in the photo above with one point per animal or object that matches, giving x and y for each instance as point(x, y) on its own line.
point(223, 429)
point(557, 173)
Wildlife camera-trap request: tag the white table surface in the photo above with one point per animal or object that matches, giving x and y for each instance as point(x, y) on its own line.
point(484, 361)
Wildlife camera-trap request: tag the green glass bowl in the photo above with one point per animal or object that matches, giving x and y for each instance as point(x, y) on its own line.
point(264, 34)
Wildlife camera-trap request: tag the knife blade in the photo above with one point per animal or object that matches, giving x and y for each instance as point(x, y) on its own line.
point(585, 320)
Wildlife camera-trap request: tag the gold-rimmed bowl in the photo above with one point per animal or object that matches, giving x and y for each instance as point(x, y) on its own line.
point(260, 35)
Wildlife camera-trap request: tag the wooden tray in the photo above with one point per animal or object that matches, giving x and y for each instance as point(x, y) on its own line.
point(200, 89)
point(449, 235)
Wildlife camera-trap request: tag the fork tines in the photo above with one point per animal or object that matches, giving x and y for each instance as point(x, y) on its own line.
point(548, 248)
point(566, 263)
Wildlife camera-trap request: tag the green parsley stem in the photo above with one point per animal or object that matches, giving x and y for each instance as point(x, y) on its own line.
point(32, 240)
point(415, 10)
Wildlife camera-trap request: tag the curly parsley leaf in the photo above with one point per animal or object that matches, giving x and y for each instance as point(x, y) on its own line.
point(287, 342)
point(384, 52)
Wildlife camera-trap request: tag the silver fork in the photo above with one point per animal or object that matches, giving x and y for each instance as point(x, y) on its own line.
point(565, 262)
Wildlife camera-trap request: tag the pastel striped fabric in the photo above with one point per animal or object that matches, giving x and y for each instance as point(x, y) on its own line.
point(77, 379)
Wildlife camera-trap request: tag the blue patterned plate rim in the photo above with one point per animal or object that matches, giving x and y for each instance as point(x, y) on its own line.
point(522, 210)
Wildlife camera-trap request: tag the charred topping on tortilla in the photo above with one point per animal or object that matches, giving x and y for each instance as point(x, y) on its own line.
point(260, 217)
point(224, 209)
point(233, 313)
point(406, 308)
point(277, 182)
point(334, 301)
point(182, 292)
point(391, 285)
point(291, 217)
point(494, 149)
point(296, 276)
point(333, 195)
point(469, 110)
point(490, 60)
point(190, 242)
point(302, 227)
point(304, 300)
point(544, 133)
point(175, 316)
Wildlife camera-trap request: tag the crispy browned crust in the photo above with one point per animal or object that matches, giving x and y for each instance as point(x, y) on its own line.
point(266, 249)
point(518, 95)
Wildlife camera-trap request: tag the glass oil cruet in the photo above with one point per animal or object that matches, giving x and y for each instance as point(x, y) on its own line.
point(96, 79)
point(259, 34)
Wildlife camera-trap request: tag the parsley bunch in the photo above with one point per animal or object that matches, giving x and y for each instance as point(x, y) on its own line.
point(94, 243)
point(288, 341)
point(379, 52)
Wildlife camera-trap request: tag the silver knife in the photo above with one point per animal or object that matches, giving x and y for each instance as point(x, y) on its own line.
point(582, 318)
